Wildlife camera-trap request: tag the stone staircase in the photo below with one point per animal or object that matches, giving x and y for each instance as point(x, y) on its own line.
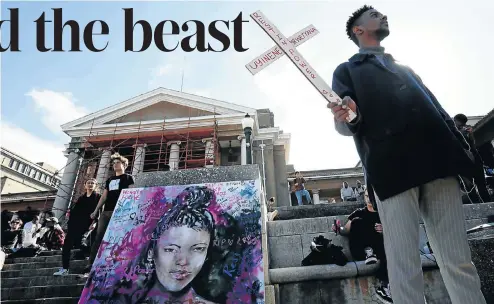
point(31, 280)
point(288, 242)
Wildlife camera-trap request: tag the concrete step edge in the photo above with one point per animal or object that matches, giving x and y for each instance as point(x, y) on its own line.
point(45, 286)
point(49, 269)
point(70, 279)
point(44, 300)
point(9, 261)
point(34, 266)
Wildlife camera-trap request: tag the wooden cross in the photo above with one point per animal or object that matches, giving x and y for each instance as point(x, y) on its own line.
point(275, 53)
point(304, 67)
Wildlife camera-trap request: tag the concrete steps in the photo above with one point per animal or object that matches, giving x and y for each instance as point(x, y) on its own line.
point(61, 300)
point(51, 280)
point(31, 280)
point(288, 243)
point(38, 265)
point(40, 292)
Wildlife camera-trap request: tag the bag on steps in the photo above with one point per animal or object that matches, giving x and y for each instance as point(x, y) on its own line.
point(323, 253)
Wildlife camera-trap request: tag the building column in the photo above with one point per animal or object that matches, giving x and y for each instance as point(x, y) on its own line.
point(174, 155)
point(282, 190)
point(103, 168)
point(64, 193)
point(243, 150)
point(315, 197)
point(139, 156)
point(209, 152)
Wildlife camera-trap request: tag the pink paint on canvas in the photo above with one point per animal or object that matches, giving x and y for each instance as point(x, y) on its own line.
point(181, 244)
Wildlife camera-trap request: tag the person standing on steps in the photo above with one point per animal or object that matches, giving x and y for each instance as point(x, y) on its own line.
point(79, 222)
point(479, 178)
point(113, 187)
point(411, 153)
point(360, 192)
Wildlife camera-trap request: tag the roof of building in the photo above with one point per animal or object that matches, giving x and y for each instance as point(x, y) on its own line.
point(39, 165)
point(149, 98)
point(484, 120)
point(328, 172)
point(28, 196)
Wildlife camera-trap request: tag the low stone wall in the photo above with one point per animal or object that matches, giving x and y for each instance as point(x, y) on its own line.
point(353, 290)
point(311, 211)
point(472, 211)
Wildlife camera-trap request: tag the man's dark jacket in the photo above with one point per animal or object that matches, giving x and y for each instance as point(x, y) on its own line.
point(402, 134)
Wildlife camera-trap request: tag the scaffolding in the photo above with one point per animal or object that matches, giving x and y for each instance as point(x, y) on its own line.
point(198, 148)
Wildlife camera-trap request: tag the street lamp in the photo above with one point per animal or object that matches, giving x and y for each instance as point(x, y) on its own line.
point(247, 125)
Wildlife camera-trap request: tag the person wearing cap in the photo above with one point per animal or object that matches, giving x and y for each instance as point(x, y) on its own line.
point(54, 237)
point(12, 238)
point(79, 222)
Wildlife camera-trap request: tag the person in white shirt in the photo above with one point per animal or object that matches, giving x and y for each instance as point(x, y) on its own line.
point(31, 233)
point(347, 193)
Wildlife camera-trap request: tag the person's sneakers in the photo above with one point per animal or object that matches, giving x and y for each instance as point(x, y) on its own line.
point(61, 272)
point(370, 257)
point(384, 294)
point(86, 272)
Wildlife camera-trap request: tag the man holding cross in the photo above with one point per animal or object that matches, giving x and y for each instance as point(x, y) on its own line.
point(411, 153)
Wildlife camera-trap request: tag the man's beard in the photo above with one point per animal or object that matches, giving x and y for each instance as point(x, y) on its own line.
point(381, 33)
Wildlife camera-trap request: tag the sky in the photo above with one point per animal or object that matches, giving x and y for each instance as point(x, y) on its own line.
point(445, 42)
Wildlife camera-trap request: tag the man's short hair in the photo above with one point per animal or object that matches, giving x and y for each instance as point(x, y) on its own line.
point(297, 172)
point(271, 199)
point(461, 118)
point(119, 157)
point(352, 22)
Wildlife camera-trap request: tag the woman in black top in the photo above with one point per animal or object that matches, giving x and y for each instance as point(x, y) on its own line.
point(79, 222)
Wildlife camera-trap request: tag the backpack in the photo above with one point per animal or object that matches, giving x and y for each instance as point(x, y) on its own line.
point(323, 253)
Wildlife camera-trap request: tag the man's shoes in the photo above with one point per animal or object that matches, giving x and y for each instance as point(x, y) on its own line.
point(384, 294)
point(85, 275)
point(370, 257)
point(86, 272)
point(61, 272)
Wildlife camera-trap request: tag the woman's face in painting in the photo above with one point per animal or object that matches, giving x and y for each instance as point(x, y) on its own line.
point(179, 256)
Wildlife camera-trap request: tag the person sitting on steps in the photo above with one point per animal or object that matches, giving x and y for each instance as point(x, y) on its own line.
point(364, 231)
point(53, 237)
point(347, 193)
point(272, 213)
point(300, 189)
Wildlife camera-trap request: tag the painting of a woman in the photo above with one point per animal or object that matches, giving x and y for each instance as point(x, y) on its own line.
point(178, 253)
point(195, 244)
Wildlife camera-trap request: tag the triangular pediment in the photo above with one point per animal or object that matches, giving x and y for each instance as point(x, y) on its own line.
point(158, 104)
point(161, 110)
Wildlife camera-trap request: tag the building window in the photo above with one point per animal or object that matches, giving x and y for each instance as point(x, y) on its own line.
point(16, 166)
point(11, 163)
point(27, 170)
point(43, 178)
point(21, 168)
point(33, 173)
point(38, 175)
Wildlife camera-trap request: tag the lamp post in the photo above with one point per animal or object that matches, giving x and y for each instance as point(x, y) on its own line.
point(247, 125)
